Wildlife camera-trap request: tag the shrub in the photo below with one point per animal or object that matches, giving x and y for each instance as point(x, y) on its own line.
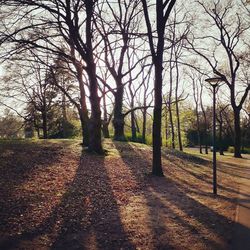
point(243, 151)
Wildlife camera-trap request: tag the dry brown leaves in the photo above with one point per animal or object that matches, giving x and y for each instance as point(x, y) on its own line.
point(52, 195)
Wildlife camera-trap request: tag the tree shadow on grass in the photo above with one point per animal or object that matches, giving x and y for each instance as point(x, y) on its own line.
point(18, 164)
point(184, 156)
point(205, 174)
point(86, 217)
point(173, 209)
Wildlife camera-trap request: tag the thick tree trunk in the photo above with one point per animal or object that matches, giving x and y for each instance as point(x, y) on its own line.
point(95, 124)
point(85, 130)
point(83, 112)
point(157, 167)
point(237, 134)
point(118, 120)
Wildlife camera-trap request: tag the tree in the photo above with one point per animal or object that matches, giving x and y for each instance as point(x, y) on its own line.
point(162, 12)
point(62, 21)
point(10, 125)
point(229, 40)
point(117, 35)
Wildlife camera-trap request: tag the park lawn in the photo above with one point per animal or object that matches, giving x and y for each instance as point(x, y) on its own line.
point(55, 195)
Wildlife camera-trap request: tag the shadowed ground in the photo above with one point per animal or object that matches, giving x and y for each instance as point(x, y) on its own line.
point(54, 196)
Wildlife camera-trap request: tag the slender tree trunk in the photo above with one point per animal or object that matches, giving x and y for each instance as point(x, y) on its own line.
point(118, 120)
point(170, 100)
point(157, 167)
point(206, 133)
point(144, 124)
point(237, 134)
point(205, 120)
point(177, 109)
point(105, 123)
point(133, 125)
point(38, 132)
point(132, 114)
point(44, 124)
point(198, 131)
point(220, 137)
point(64, 113)
point(196, 100)
point(166, 126)
point(105, 130)
point(137, 125)
point(172, 126)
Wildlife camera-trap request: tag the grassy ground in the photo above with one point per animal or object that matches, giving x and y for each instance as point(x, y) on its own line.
point(53, 195)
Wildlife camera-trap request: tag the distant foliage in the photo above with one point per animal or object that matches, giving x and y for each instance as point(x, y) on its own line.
point(10, 126)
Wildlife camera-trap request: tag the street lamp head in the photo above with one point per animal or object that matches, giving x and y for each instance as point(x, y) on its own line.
point(214, 80)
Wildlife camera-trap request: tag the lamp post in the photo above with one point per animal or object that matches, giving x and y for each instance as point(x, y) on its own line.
point(214, 83)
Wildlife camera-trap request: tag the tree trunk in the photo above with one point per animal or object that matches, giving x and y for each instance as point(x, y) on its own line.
point(157, 167)
point(105, 129)
point(64, 113)
point(198, 128)
point(105, 123)
point(83, 112)
point(166, 125)
point(84, 126)
point(133, 125)
point(95, 124)
point(172, 126)
point(199, 134)
point(177, 109)
point(137, 125)
point(237, 134)
point(118, 120)
point(206, 133)
point(220, 137)
point(144, 124)
point(44, 124)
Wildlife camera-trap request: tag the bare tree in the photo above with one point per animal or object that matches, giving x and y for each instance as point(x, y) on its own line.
point(228, 38)
point(64, 21)
point(162, 12)
point(117, 36)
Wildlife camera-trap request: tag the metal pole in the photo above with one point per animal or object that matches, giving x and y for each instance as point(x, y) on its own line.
point(214, 143)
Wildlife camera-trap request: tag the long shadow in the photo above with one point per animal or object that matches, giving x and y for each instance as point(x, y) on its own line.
point(172, 192)
point(234, 170)
point(185, 156)
point(205, 177)
point(88, 214)
point(198, 160)
point(18, 163)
